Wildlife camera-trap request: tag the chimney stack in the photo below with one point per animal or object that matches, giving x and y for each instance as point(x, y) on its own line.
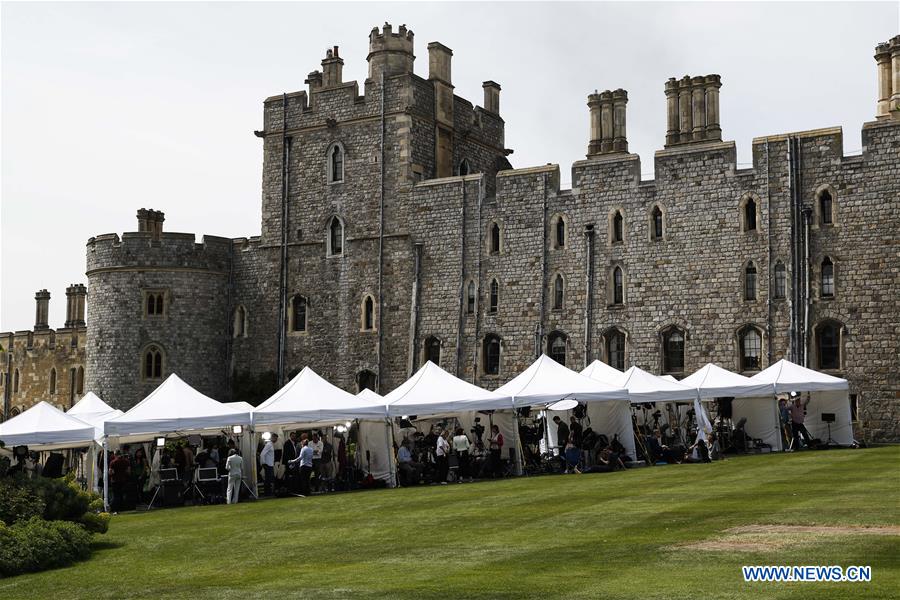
point(390, 53)
point(491, 96)
point(75, 296)
point(42, 310)
point(332, 68)
point(150, 221)
point(887, 57)
point(439, 57)
point(607, 111)
point(692, 110)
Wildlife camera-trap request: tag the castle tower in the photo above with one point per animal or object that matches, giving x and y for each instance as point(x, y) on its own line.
point(75, 297)
point(42, 310)
point(390, 53)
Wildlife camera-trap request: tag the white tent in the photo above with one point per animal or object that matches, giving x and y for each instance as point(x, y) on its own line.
point(94, 411)
point(308, 398)
point(600, 371)
point(643, 386)
point(239, 406)
point(433, 391)
point(753, 400)
point(45, 427)
point(827, 394)
point(375, 437)
point(668, 378)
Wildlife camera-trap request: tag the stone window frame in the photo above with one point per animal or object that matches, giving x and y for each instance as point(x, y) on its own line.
point(79, 380)
point(489, 240)
point(290, 315)
point(471, 297)
point(552, 338)
point(329, 249)
point(494, 305)
point(16, 381)
point(489, 338)
point(610, 286)
point(555, 220)
point(142, 364)
point(239, 322)
point(739, 336)
point(606, 337)
point(367, 298)
point(745, 297)
point(611, 227)
point(329, 163)
point(820, 277)
point(664, 334)
point(558, 276)
point(425, 345)
point(157, 294)
point(53, 384)
point(359, 380)
point(774, 283)
point(742, 213)
point(652, 225)
point(464, 167)
point(815, 350)
point(817, 207)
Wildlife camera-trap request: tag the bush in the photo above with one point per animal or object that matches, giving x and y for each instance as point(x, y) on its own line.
point(19, 501)
point(35, 545)
point(95, 522)
point(63, 501)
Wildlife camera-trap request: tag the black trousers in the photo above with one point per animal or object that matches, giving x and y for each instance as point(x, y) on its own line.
point(443, 468)
point(463, 459)
point(799, 430)
point(270, 479)
point(305, 473)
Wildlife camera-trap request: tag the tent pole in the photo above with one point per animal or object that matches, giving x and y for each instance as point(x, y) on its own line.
point(520, 458)
point(392, 467)
point(105, 474)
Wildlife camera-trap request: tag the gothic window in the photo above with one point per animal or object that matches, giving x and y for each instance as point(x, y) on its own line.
point(79, 380)
point(618, 286)
point(491, 353)
point(16, 382)
point(780, 290)
point(152, 365)
point(827, 278)
point(556, 347)
point(464, 167)
point(657, 223)
point(751, 348)
point(299, 306)
point(335, 236)
point(495, 296)
point(494, 240)
point(673, 350)
point(240, 322)
point(750, 281)
point(559, 291)
point(618, 227)
point(828, 345)
point(335, 163)
point(615, 349)
point(433, 350)
point(368, 314)
point(52, 381)
point(154, 303)
point(366, 380)
point(826, 208)
point(560, 233)
point(470, 298)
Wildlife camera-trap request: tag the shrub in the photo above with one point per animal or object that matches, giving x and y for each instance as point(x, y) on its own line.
point(95, 522)
point(35, 545)
point(19, 501)
point(63, 502)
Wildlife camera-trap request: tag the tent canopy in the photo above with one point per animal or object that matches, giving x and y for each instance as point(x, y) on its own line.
point(547, 381)
point(89, 404)
point(600, 371)
point(432, 391)
point(175, 406)
point(45, 427)
point(712, 381)
point(367, 394)
point(643, 386)
point(786, 376)
point(239, 405)
point(308, 398)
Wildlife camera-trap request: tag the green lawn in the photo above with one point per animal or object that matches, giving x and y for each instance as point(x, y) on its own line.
point(619, 535)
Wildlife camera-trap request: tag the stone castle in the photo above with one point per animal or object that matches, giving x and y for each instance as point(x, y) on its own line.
point(394, 231)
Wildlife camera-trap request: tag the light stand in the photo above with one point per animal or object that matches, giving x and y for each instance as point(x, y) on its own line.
point(828, 419)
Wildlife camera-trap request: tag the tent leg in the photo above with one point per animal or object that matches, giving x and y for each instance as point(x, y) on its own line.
point(392, 467)
point(105, 474)
point(520, 454)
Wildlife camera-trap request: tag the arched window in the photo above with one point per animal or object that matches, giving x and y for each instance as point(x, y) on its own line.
point(780, 288)
point(618, 286)
point(657, 223)
point(152, 365)
point(368, 314)
point(494, 241)
point(751, 348)
point(433, 350)
point(615, 349)
point(560, 233)
point(673, 350)
point(154, 303)
point(335, 164)
point(749, 214)
point(366, 380)
point(618, 228)
point(335, 236)
point(826, 208)
point(470, 298)
point(16, 382)
point(240, 322)
point(750, 281)
point(556, 347)
point(52, 381)
point(79, 379)
point(559, 292)
point(827, 278)
point(491, 353)
point(495, 296)
point(464, 167)
point(299, 315)
point(828, 345)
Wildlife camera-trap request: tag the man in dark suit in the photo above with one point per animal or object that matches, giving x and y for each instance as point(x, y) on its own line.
point(289, 453)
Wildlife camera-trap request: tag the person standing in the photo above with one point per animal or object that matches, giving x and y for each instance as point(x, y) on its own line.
point(317, 448)
point(442, 452)
point(235, 467)
point(575, 431)
point(119, 470)
point(305, 460)
point(267, 460)
point(798, 428)
point(495, 445)
point(461, 448)
point(562, 434)
point(289, 453)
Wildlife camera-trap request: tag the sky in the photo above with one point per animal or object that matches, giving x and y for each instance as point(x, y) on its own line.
point(106, 108)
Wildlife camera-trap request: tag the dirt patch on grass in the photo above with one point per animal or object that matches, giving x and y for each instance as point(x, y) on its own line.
point(760, 538)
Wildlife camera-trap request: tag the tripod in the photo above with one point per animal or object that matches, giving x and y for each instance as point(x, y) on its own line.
point(830, 441)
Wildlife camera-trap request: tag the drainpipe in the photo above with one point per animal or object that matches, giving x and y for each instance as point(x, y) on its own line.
point(589, 277)
point(539, 330)
point(769, 262)
point(282, 281)
point(411, 364)
point(462, 282)
point(796, 293)
point(7, 378)
point(476, 348)
point(229, 340)
point(380, 247)
point(806, 282)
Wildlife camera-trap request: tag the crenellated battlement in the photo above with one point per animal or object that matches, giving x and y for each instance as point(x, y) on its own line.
point(175, 251)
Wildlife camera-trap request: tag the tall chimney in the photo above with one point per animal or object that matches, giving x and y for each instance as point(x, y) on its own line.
point(619, 100)
point(491, 96)
point(151, 221)
point(75, 296)
point(607, 122)
point(42, 310)
point(439, 57)
point(887, 56)
point(673, 126)
point(692, 110)
point(332, 68)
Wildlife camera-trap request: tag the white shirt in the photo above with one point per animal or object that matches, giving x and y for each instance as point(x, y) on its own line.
point(443, 447)
point(461, 443)
point(317, 449)
point(267, 456)
point(234, 465)
point(403, 455)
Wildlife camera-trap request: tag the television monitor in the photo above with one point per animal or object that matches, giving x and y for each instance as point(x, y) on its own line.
point(207, 474)
point(168, 474)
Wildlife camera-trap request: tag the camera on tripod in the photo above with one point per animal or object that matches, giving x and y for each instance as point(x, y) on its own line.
point(478, 429)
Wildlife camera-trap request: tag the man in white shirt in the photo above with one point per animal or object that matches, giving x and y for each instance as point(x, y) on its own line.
point(461, 448)
point(267, 460)
point(317, 446)
point(234, 465)
point(443, 453)
point(305, 458)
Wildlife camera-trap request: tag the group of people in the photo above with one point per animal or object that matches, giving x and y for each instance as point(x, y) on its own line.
point(583, 450)
point(300, 458)
point(441, 451)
